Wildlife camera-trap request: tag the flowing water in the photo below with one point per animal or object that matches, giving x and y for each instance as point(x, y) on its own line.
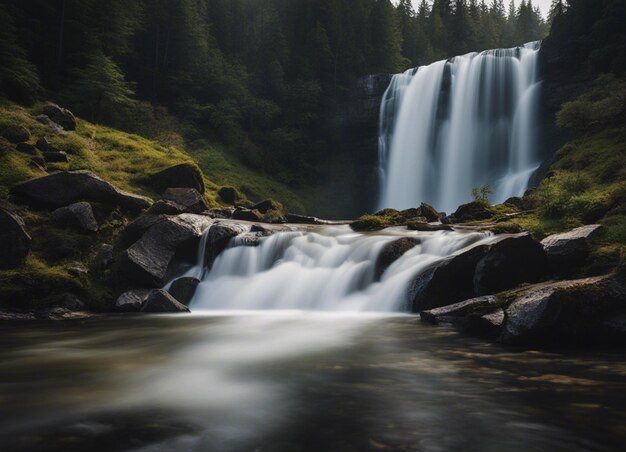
point(459, 124)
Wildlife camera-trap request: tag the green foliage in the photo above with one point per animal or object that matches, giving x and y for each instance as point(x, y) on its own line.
point(481, 194)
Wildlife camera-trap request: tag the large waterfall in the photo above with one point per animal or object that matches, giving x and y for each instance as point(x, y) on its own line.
point(329, 268)
point(458, 124)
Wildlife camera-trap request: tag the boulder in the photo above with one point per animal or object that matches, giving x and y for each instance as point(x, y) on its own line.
point(45, 120)
point(191, 200)
point(14, 241)
point(569, 251)
point(564, 312)
point(26, 148)
point(139, 226)
point(79, 215)
point(447, 282)
point(77, 269)
point(473, 211)
point(459, 312)
point(61, 116)
point(147, 262)
point(165, 207)
point(391, 252)
point(302, 219)
point(228, 195)
point(131, 301)
point(38, 163)
point(429, 213)
point(16, 134)
point(427, 227)
point(55, 156)
point(218, 238)
point(67, 187)
point(185, 175)
point(160, 301)
point(246, 215)
point(183, 289)
point(263, 206)
point(486, 325)
point(510, 262)
point(220, 213)
point(70, 302)
point(44, 145)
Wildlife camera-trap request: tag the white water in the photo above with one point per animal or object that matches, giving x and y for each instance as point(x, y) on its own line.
point(330, 269)
point(455, 125)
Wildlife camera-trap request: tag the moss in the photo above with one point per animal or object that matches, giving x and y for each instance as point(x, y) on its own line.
point(507, 228)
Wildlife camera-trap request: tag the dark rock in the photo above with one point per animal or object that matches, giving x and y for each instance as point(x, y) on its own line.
point(38, 163)
point(183, 289)
point(79, 215)
point(185, 175)
point(429, 213)
point(460, 311)
point(44, 145)
point(26, 148)
point(447, 282)
point(263, 206)
point(302, 219)
point(569, 251)
point(67, 187)
point(55, 157)
point(16, 134)
point(138, 227)
point(218, 238)
point(70, 302)
point(510, 262)
point(473, 211)
point(487, 325)
point(189, 198)
point(45, 120)
point(564, 312)
point(61, 116)
point(228, 195)
point(77, 269)
point(246, 215)
point(147, 261)
point(391, 252)
point(165, 207)
point(160, 301)
point(131, 301)
point(14, 241)
point(426, 227)
point(220, 213)
point(105, 256)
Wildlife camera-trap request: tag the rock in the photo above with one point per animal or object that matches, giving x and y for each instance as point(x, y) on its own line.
point(487, 325)
point(38, 163)
point(77, 269)
point(70, 302)
point(183, 289)
point(569, 251)
point(79, 215)
point(246, 215)
point(446, 282)
point(228, 195)
point(26, 148)
point(302, 219)
point(138, 227)
point(45, 120)
point(510, 262)
point(459, 311)
point(67, 187)
point(185, 175)
point(391, 252)
point(429, 213)
point(55, 157)
point(218, 238)
point(16, 134)
point(263, 206)
point(147, 261)
point(105, 256)
point(61, 116)
point(189, 198)
point(160, 301)
point(165, 207)
point(473, 211)
point(14, 241)
point(575, 311)
point(220, 213)
point(426, 227)
point(44, 145)
point(131, 301)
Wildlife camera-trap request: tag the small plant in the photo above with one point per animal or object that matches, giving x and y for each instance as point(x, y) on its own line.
point(481, 194)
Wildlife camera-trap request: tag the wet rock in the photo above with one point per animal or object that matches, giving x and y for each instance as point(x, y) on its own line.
point(79, 215)
point(165, 207)
point(160, 301)
point(16, 134)
point(460, 311)
point(246, 215)
point(26, 148)
point(510, 262)
point(68, 187)
point(55, 157)
point(228, 195)
point(487, 325)
point(189, 198)
point(391, 252)
point(14, 241)
point(220, 213)
point(447, 282)
point(219, 236)
point(185, 175)
point(183, 289)
point(131, 301)
point(426, 227)
point(302, 219)
point(146, 263)
point(61, 116)
point(473, 211)
point(105, 256)
point(569, 251)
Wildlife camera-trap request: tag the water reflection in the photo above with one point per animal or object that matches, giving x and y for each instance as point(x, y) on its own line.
point(297, 381)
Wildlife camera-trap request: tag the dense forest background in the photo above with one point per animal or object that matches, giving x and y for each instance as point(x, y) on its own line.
point(268, 79)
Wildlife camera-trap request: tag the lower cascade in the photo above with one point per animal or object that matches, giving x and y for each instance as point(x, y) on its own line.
point(459, 124)
point(329, 269)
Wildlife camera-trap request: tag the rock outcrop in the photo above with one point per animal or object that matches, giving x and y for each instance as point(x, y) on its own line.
point(14, 240)
point(569, 251)
point(189, 198)
point(391, 252)
point(67, 187)
point(473, 211)
point(61, 116)
point(228, 195)
point(160, 301)
point(185, 175)
point(79, 215)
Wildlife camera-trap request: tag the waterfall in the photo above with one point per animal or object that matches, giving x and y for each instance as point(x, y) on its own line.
point(328, 269)
point(458, 124)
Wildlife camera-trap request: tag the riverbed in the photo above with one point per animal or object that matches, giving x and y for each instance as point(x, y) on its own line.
point(297, 381)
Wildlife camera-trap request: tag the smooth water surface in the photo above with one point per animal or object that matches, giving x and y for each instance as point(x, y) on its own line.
point(297, 381)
